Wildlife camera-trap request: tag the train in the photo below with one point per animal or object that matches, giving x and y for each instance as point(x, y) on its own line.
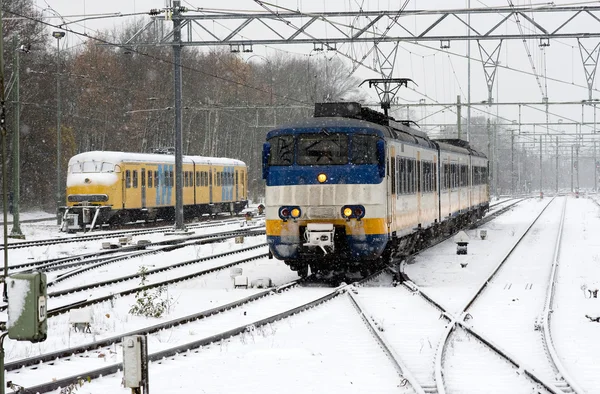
point(350, 188)
point(108, 187)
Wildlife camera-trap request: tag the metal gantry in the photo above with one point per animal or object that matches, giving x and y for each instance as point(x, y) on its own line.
point(331, 30)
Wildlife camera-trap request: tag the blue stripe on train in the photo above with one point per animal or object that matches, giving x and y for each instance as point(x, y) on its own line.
point(307, 175)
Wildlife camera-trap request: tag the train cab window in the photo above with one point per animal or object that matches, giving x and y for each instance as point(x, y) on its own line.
point(128, 179)
point(135, 179)
point(364, 149)
point(149, 178)
point(282, 150)
point(323, 148)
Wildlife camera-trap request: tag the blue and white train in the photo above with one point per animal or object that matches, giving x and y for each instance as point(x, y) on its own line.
point(350, 188)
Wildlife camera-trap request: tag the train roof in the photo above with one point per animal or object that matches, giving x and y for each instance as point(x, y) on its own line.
point(458, 145)
point(352, 115)
point(119, 157)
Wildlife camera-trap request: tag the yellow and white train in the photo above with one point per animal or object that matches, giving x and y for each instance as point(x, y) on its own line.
point(121, 187)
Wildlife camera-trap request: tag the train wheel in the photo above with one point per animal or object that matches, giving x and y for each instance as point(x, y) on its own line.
point(302, 270)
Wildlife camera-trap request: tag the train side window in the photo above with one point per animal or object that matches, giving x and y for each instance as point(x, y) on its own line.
point(243, 184)
point(197, 178)
point(210, 178)
point(186, 179)
point(435, 173)
point(166, 178)
point(364, 149)
point(393, 174)
point(149, 178)
point(128, 179)
point(236, 177)
point(143, 174)
point(135, 179)
point(155, 178)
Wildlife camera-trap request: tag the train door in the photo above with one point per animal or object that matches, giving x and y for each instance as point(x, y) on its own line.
point(210, 185)
point(237, 198)
point(143, 184)
point(391, 188)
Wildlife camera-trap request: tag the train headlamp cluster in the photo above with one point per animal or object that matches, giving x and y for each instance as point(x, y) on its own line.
point(289, 212)
point(322, 178)
point(353, 212)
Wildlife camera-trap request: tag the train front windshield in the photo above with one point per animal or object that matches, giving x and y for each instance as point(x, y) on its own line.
point(91, 166)
point(323, 148)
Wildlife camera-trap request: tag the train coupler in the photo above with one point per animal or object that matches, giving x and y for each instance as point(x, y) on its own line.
point(319, 235)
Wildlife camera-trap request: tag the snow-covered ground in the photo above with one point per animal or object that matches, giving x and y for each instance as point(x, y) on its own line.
point(328, 349)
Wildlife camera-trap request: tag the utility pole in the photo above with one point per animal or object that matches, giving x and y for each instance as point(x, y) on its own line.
point(16, 230)
point(541, 171)
point(59, 200)
point(577, 161)
point(178, 140)
point(572, 168)
point(469, 72)
point(557, 164)
point(490, 157)
point(4, 159)
point(458, 118)
point(595, 169)
point(512, 162)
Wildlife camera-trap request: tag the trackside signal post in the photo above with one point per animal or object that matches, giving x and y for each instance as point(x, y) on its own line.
point(26, 312)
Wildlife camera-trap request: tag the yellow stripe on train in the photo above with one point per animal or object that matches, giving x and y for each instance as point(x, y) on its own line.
point(366, 226)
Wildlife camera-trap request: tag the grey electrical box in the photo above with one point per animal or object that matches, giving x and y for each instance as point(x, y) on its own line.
point(135, 362)
point(27, 307)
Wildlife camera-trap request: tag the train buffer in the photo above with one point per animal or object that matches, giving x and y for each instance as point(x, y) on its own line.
point(462, 240)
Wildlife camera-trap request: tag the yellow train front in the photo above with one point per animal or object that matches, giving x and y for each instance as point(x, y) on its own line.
point(349, 188)
point(121, 187)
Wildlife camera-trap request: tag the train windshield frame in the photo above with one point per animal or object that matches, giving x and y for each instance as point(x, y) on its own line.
point(324, 148)
point(93, 166)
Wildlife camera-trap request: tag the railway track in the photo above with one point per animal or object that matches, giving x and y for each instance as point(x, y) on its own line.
point(63, 382)
point(460, 325)
point(34, 365)
point(115, 234)
point(103, 255)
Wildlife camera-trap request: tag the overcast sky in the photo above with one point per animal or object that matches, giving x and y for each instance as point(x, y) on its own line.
point(440, 75)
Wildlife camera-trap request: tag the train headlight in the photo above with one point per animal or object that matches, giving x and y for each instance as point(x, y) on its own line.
point(322, 178)
point(353, 212)
point(296, 213)
point(347, 212)
point(287, 212)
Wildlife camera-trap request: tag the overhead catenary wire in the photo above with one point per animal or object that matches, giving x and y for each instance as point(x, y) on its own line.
point(170, 62)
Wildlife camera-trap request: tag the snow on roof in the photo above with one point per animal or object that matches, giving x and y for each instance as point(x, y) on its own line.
point(118, 157)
